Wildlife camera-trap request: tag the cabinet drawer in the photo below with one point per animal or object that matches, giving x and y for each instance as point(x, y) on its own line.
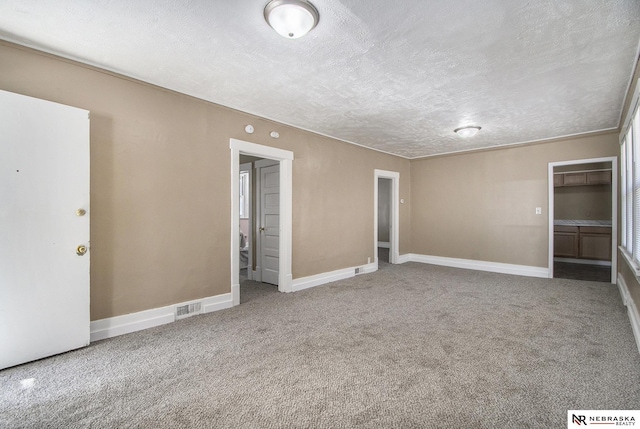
point(595, 230)
point(560, 228)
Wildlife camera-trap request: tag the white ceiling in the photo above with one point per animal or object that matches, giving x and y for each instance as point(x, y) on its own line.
point(395, 76)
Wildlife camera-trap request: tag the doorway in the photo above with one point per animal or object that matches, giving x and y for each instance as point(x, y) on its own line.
point(384, 219)
point(583, 219)
point(284, 159)
point(386, 200)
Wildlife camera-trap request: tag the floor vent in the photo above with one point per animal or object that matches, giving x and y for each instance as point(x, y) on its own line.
point(188, 310)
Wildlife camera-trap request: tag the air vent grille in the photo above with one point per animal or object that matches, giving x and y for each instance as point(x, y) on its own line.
point(188, 310)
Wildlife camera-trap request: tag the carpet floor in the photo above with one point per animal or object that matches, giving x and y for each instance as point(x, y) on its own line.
point(410, 346)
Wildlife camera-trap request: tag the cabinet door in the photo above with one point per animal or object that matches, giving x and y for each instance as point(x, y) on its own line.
point(565, 244)
point(598, 177)
point(558, 180)
point(575, 179)
point(595, 243)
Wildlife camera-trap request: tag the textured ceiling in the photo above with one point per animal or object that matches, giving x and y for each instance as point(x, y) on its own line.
point(395, 76)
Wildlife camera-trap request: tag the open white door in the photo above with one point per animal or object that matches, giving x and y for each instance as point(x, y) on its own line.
point(44, 235)
point(269, 228)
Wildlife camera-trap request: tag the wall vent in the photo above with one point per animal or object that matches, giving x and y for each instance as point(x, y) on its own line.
point(358, 270)
point(188, 310)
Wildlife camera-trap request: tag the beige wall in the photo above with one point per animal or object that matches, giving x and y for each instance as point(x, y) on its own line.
point(160, 183)
point(481, 205)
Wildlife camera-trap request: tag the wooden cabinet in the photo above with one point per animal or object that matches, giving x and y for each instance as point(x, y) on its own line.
point(565, 241)
point(595, 243)
point(582, 178)
point(558, 180)
point(574, 179)
point(583, 242)
point(599, 177)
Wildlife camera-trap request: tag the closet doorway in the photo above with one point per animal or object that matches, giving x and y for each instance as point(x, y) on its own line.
point(583, 219)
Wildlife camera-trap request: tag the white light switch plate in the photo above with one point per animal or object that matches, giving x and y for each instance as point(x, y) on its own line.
point(538, 210)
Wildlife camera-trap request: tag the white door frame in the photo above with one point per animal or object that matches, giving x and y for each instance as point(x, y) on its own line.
point(614, 208)
point(248, 168)
point(394, 221)
point(285, 158)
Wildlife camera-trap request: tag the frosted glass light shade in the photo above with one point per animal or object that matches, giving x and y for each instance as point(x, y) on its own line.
point(467, 131)
point(291, 18)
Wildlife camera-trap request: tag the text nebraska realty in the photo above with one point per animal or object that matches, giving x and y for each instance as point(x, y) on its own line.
point(612, 420)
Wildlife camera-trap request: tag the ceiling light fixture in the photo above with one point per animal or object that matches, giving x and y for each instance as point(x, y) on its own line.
point(467, 131)
point(291, 18)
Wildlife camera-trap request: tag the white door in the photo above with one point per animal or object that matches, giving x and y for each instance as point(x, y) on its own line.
point(269, 228)
point(44, 218)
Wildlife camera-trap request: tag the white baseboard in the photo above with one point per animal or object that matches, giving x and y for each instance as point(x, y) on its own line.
point(332, 276)
point(632, 309)
point(119, 325)
point(404, 258)
point(470, 264)
point(384, 244)
point(583, 261)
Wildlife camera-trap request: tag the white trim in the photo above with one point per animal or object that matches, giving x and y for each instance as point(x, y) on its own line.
point(394, 222)
point(632, 264)
point(248, 167)
point(332, 276)
point(402, 259)
point(285, 158)
point(384, 244)
point(624, 126)
point(119, 325)
point(471, 264)
point(583, 261)
point(632, 310)
point(614, 208)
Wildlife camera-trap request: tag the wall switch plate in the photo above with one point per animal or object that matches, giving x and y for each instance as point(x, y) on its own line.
point(538, 210)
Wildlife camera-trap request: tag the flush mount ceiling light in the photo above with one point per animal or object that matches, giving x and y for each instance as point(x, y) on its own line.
point(291, 18)
point(467, 131)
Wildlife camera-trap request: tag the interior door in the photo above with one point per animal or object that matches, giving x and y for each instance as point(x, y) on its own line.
point(44, 214)
point(269, 228)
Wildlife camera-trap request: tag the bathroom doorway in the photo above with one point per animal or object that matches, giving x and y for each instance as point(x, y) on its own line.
point(582, 219)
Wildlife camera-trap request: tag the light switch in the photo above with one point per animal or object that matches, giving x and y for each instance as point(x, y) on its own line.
point(538, 210)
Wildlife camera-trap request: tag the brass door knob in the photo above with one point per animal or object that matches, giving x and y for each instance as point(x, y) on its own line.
point(81, 250)
point(81, 212)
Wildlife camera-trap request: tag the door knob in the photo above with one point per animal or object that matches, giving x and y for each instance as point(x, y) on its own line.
point(261, 229)
point(81, 212)
point(81, 250)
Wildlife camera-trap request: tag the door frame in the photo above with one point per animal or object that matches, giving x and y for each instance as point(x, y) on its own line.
point(248, 167)
point(614, 208)
point(394, 221)
point(285, 158)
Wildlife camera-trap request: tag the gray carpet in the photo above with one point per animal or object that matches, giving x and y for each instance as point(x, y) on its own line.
point(411, 346)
